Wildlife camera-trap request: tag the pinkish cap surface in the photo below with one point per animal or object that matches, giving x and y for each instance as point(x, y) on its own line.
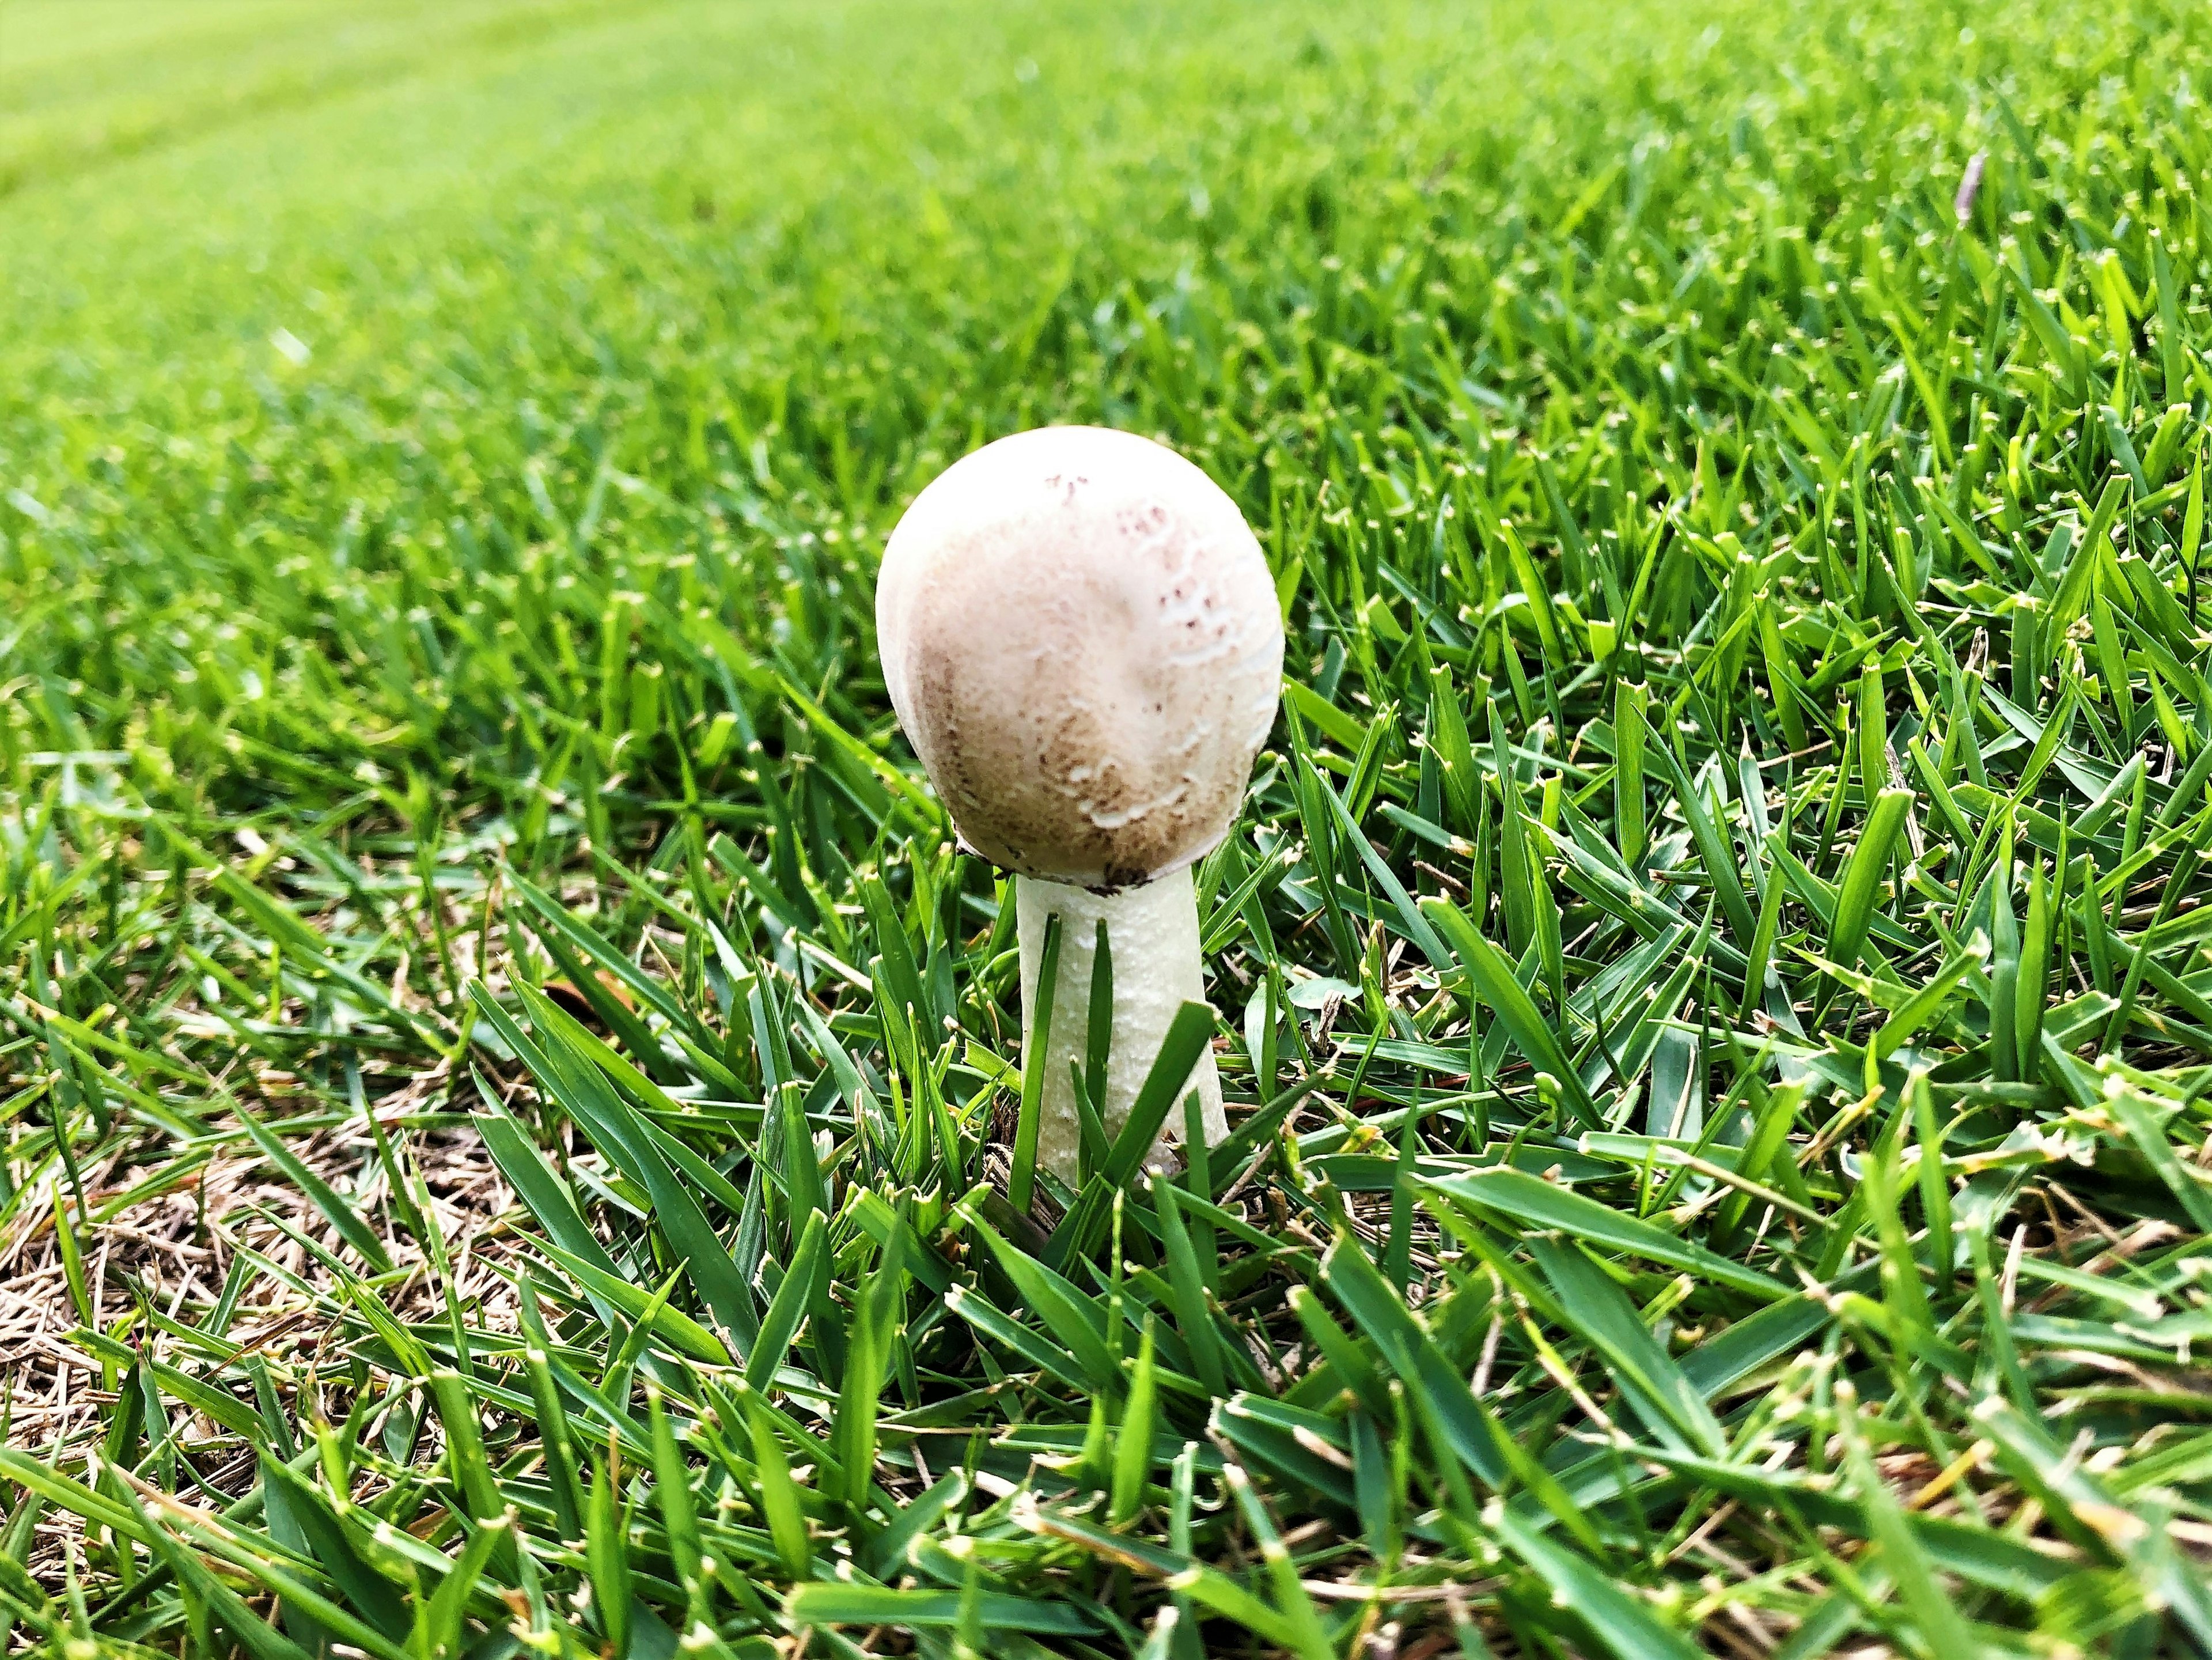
point(1080, 635)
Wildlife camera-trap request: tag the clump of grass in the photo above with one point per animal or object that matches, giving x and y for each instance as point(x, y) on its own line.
point(508, 1074)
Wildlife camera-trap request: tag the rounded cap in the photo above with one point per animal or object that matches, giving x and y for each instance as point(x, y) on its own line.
point(1080, 635)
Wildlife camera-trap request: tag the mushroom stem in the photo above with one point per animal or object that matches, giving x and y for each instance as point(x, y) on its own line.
point(1152, 933)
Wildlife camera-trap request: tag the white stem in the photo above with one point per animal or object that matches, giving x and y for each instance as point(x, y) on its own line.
point(1152, 933)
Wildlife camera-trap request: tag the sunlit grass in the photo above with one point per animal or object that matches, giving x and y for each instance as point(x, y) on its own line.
point(506, 1075)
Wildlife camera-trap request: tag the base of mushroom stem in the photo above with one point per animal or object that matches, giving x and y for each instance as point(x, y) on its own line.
point(1153, 937)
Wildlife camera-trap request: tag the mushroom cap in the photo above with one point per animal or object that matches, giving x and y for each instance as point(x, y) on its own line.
point(1080, 635)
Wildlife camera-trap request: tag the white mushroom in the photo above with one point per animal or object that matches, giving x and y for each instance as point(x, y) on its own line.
point(1080, 635)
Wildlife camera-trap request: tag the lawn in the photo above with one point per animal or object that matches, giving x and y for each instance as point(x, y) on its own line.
point(505, 1072)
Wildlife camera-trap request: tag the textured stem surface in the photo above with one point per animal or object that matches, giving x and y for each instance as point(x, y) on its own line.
point(1153, 935)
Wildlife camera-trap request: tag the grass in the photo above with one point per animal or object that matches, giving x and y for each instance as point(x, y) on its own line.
point(507, 1076)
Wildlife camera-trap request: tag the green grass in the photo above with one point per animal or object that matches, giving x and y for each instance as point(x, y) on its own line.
point(505, 1071)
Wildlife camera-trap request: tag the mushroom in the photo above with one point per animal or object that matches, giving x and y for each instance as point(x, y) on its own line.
point(1081, 638)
